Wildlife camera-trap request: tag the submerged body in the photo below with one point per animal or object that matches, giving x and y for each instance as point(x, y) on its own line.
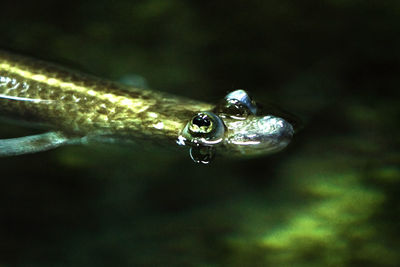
point(82, 108)
point(81, 105)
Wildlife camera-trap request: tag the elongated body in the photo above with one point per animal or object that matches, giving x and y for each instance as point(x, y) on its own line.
point(81, 106)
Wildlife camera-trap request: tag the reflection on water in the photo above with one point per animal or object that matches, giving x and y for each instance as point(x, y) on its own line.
point(330, 199)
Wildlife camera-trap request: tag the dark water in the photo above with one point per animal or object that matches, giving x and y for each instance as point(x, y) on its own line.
point(330, 199)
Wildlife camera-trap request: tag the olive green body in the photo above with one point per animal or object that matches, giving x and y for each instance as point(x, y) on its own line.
point(81, 105)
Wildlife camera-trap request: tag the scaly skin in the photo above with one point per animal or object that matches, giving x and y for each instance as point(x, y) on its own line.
point(81, 105)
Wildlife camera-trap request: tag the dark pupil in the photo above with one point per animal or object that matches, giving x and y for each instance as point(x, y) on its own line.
point(202, 120)
point(236, 109)
point(233, 109)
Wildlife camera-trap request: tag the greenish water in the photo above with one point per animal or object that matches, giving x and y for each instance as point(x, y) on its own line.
point(330, 199)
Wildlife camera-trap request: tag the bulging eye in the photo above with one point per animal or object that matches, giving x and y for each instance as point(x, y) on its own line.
point(236, 108)
point(205, 128)
point(237, 104)
point(201, 123)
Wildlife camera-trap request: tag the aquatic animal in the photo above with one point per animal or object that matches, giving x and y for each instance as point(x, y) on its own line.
point(82, 109)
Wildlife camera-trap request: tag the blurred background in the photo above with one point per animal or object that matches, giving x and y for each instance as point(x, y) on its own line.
point(330, 199)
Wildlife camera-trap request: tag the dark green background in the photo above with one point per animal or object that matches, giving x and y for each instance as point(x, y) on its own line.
point(330, 199)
